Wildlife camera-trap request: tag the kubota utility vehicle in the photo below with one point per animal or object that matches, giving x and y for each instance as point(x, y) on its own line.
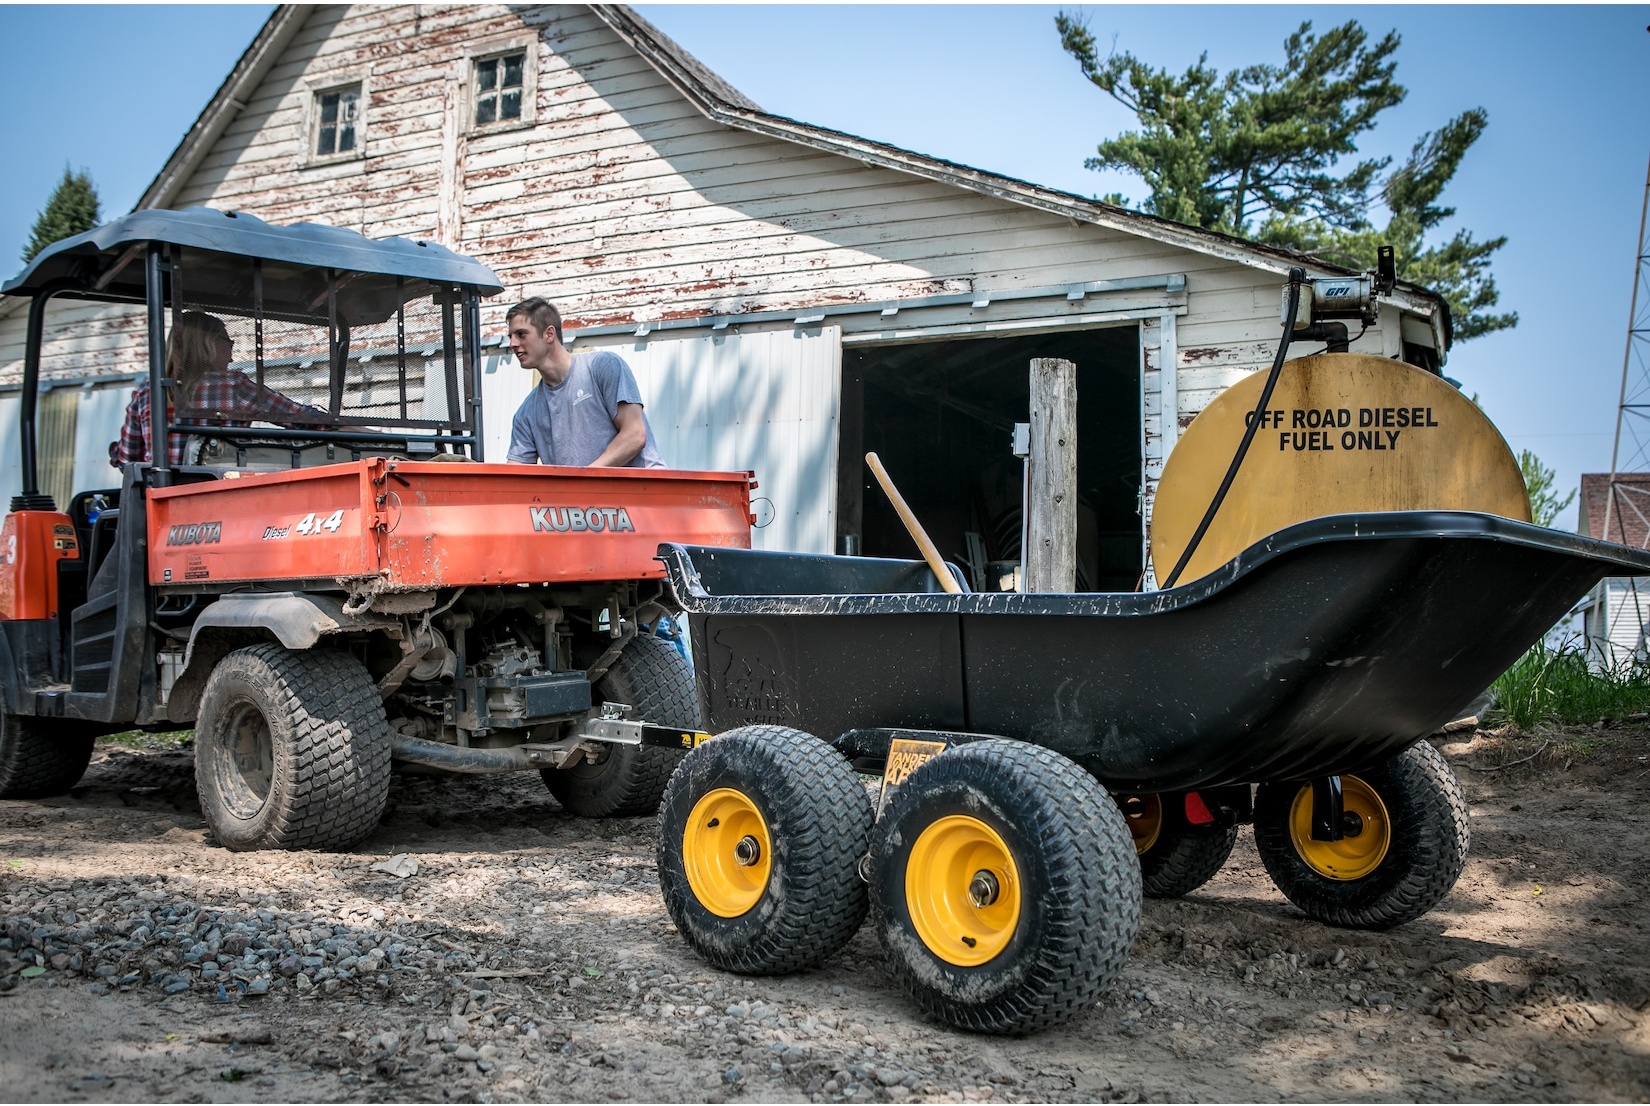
point(319, 600)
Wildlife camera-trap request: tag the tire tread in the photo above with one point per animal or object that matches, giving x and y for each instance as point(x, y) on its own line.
point(35, 764)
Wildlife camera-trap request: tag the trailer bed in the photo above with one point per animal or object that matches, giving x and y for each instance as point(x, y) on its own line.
point(1328, 647)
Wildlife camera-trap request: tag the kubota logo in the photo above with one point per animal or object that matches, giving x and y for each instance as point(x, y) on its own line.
point(195, 533)
point(577, 519)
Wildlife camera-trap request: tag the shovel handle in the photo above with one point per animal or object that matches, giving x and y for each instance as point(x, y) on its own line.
point(918, 534)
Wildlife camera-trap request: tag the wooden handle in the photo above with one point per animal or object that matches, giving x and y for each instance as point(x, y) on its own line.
point(918, 534)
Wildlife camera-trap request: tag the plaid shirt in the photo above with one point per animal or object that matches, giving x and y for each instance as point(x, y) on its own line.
point(219, 393)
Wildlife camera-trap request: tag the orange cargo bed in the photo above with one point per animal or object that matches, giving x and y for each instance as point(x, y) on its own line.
point(416, 525)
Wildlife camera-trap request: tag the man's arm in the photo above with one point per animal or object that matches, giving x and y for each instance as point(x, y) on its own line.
point(631, 437)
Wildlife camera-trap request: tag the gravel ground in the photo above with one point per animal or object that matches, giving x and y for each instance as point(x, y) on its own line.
point(485, 946)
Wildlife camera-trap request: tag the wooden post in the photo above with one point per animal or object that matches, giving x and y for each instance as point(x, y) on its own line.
point(1051, 485)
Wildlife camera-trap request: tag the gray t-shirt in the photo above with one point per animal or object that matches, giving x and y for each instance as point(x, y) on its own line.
point(572, 423)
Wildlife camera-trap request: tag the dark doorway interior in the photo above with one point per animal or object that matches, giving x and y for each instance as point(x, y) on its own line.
point(940, 415)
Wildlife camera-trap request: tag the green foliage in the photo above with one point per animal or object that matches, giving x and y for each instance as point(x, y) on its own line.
point(1220, 151)
point(72, 209)
point(1538, 481)
point(148, 742)
point(1257, 153)
point(1558, 685)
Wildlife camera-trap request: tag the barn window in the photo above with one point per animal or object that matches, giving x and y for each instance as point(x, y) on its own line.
point(337, 120)
point(500, 83)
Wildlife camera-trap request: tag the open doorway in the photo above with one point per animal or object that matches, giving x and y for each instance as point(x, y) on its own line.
point(941, 415)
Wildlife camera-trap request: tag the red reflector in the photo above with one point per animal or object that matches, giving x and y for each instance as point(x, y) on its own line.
point(1196, 812)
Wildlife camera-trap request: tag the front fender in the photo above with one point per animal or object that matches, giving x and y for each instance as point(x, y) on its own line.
point(298, 620)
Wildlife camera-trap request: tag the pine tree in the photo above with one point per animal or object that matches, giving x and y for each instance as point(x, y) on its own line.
point(73, 208)
point(1545, 505)
point(1258, 152)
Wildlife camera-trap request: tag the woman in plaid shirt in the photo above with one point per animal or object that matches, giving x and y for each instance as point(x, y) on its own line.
point(198, 352)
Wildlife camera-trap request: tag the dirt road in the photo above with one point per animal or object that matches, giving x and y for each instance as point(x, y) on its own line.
point(529, 958)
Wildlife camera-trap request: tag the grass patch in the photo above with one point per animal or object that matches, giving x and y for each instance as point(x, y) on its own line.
point(149, 742)
point(1558, 685)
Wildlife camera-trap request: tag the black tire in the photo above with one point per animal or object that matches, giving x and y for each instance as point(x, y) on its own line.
point(42, 756)
point(1184, 860)
point(1065, 913)
point(1425, 838)
point(1176, 857)
point(624, 780)
point(291, 750)
point(809, 900)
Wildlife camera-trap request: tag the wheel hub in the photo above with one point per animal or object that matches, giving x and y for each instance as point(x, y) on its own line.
point(1365, 826)
point(248, 751)
point(983, 890)
point(962, 889)
point(1144, 817)
point(727, 853)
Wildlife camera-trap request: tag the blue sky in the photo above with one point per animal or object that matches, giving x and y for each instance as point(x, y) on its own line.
point(1560, 171)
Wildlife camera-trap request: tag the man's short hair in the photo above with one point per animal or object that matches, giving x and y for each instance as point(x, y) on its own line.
point(540, 312)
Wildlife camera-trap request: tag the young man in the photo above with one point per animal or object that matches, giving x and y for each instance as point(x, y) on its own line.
point(586, 409)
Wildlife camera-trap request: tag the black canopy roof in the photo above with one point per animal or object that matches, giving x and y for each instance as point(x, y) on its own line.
point(102, 262)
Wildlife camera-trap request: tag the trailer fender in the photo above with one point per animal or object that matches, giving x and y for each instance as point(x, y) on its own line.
point(297, 620)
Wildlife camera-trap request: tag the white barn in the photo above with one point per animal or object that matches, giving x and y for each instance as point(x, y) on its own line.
point(788, 296)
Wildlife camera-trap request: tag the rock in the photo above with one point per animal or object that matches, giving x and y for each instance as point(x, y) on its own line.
point(466, 1052)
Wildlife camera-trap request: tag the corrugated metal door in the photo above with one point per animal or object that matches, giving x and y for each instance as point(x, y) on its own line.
point(766, 401)
point(102, 411)
point(94, 414)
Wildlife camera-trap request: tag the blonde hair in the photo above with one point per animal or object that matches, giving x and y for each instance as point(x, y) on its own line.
point(191, 347)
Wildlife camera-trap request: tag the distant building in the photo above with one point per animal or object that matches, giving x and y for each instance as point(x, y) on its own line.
point(1616, 613)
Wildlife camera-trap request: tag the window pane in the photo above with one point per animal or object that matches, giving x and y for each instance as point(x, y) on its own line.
point(348, 108)
point(511, 106)
point(487, 75)
point(512, 70)
point(486, 109)
point(336, 120)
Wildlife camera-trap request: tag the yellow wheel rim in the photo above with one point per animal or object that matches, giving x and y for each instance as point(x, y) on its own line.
point(1363, 848)
point(727, 853)
point(963, 890)
point(1144, 815)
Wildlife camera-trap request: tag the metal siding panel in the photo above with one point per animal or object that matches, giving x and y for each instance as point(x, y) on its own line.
point(504, 384)
point(766, 402)
point(102, 411)
point(11, 472)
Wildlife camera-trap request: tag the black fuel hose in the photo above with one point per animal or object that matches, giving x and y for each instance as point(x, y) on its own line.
point(1297, 277)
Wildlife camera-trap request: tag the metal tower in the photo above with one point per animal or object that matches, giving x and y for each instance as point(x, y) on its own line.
point(1627, 506)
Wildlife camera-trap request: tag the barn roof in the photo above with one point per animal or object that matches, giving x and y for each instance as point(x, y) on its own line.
point(720, 102)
